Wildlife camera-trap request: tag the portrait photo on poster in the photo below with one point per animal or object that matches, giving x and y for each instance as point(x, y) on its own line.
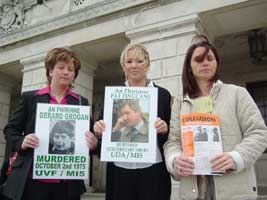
point(130, 121)
point(62, 137)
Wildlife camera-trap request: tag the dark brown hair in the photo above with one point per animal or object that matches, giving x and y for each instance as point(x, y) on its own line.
point(63, 127)
point(61, 54)
point(133, 104)
point(190, 86)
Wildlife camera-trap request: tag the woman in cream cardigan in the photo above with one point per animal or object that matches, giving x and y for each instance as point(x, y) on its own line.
point(243, 131)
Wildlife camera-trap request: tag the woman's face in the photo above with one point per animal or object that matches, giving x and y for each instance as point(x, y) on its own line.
point(135, 67)
point(203, 69)
point(63, 74)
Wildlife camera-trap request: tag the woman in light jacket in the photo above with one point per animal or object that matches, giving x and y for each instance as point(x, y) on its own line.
point(243, 131)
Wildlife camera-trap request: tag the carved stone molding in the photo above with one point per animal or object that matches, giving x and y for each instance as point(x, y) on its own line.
point(81, 15)
point(12, 14)
point(33, 62)
point(78, 2)
point(165, 29)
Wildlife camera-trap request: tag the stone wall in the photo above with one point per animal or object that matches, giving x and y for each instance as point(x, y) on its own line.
point(5, 97)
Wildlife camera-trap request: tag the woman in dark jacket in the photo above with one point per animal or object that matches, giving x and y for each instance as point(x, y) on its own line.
point(140, 181)
point(62, 67)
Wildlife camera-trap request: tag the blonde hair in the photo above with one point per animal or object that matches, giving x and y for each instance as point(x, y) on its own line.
point(139, 50)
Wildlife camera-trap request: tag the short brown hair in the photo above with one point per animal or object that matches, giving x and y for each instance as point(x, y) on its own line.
point(133, 104)
point(61, 54)
point(190, 86)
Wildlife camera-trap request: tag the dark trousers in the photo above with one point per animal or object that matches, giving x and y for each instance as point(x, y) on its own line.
point(3, 197)
point(36, 190)
point(152, 183)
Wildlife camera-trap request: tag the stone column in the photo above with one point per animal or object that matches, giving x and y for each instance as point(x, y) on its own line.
point(34, 76)
point(167, 43)
point(84, 86)
point(5, 98)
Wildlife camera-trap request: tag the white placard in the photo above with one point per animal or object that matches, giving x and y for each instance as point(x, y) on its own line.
point(62, 152)
point(130, 114)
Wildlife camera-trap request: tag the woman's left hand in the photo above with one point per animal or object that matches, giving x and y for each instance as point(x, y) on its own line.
point(223, 162)
point(91, 140)
point(161, 126)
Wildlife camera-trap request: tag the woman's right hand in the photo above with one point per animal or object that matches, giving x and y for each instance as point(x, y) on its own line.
point(30, 141)
point(99, 127)
point(184, 166)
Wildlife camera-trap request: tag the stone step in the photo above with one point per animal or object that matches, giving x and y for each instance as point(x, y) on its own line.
point(101, 196)
point(262, 197)
point(93, 196)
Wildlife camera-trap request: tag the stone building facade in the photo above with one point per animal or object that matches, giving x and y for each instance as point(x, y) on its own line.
point(98, 30)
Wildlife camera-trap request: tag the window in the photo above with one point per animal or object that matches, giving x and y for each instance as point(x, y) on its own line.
point(258, 91)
